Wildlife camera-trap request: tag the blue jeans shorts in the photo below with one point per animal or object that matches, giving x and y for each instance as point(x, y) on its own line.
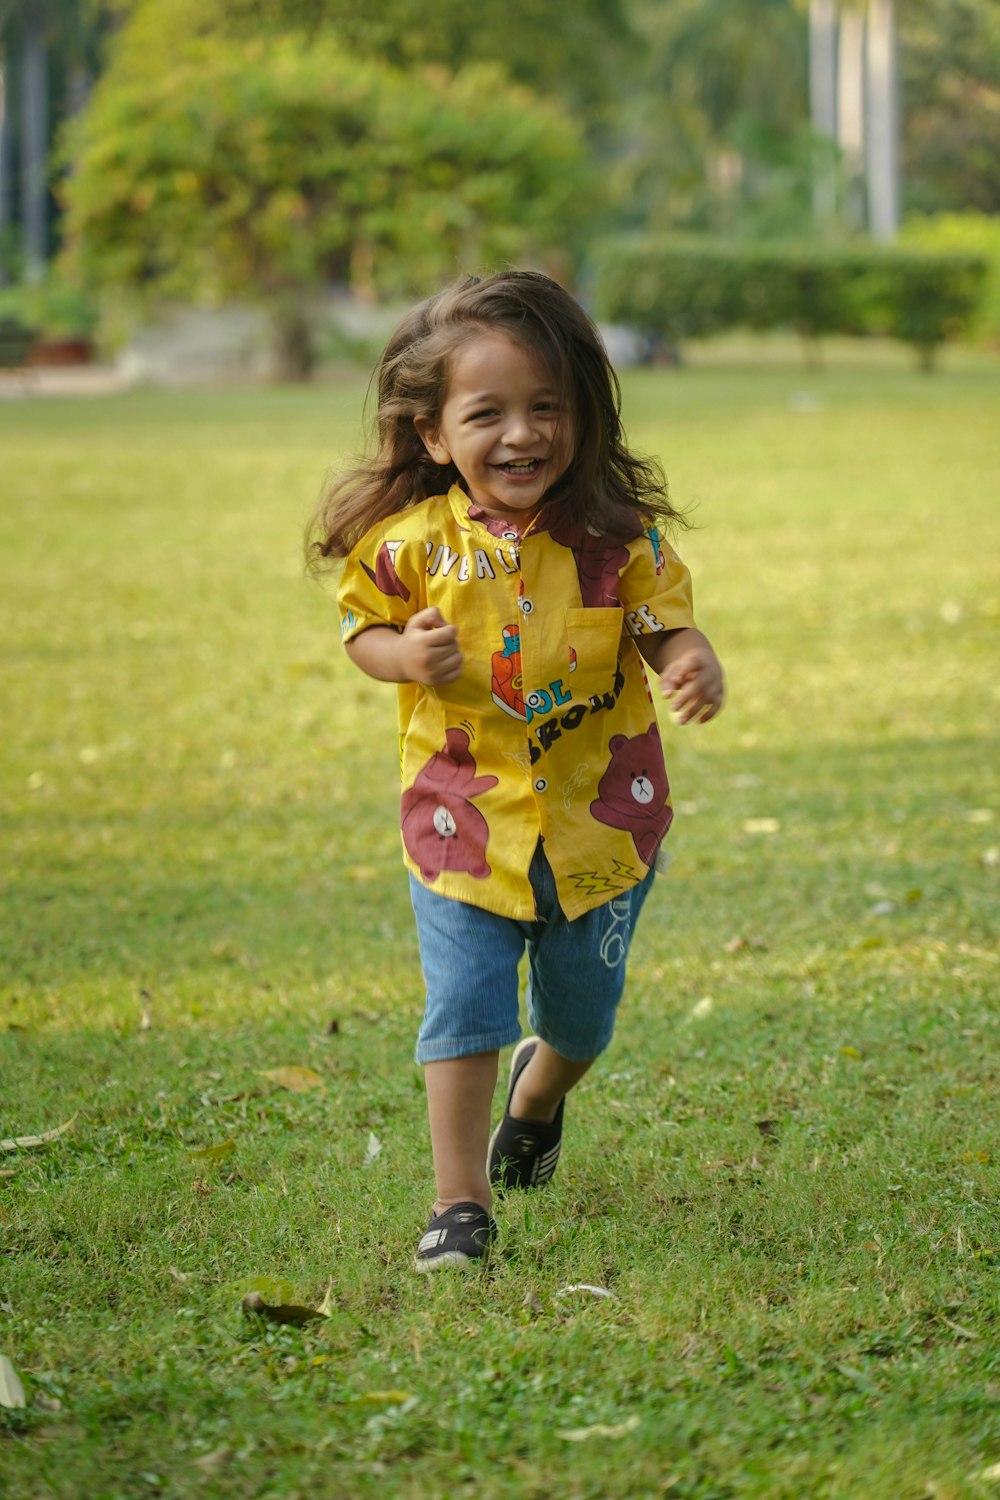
point(470, 958)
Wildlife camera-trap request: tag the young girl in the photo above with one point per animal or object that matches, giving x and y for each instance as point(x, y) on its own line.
point(504, 567)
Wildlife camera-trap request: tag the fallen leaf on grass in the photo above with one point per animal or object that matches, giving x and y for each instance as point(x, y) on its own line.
point(284, 1312)
point(532, 1302)
point(373, 1149)
point(384, 1398)
point(741, 944)
point(8, 1172)
point(19, 1142)
point(298, 1080)
point(11, 1389)
point(214, 1153)
point(850, 1052)
point(963, 1333)
point(993, 1472)
point(761, 825)
point(767, 1128)
point(600, 1429)
point(211, 1462)
point(585, 1286)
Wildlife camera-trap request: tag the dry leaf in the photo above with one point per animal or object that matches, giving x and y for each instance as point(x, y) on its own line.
point(298, 1080)
point(11, 1389)
point(532, 1302)
point(600, 1429)
point(373, 1150)
point(19, 1142)
point(761, 825)
point(385, 1398)
point(214, 1153)
point(850, 1052)
point(285, 1312)
point(584, 1286)
point(741, 944)
point(212, 1462)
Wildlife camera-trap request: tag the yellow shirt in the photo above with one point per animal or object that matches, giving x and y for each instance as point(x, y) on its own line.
point(550, 730)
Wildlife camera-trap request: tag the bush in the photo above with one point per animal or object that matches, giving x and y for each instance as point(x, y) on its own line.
point(683, 288)
point(966, 234)
point(54, 308)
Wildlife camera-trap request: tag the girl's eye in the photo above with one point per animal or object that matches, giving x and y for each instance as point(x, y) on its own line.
point(478, 416)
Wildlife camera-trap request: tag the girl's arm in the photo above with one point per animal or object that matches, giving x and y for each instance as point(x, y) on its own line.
point(425, 650)
point(690, 673)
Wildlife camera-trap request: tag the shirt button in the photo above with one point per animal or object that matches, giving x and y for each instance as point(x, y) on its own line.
point(510, 536)
point(526, 606)
point(541, 785)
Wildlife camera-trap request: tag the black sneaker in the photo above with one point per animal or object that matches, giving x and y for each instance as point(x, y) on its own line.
point(524, 1153)
point(461, 1236)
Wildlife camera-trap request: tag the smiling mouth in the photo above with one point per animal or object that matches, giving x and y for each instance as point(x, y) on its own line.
point(521, 468)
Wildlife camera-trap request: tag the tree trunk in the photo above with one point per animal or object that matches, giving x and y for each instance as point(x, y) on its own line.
point(34, 142)
point(851, 111)
point(883, 121)
point(5, 162)
point(294, 356)
point(823, 105)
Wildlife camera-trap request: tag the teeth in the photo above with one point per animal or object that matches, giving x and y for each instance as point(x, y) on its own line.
point(521, 463)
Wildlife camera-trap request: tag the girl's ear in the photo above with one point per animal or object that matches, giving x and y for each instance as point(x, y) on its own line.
point(430, 436)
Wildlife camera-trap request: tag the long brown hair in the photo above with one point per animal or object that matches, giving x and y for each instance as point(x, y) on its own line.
point(605, 486)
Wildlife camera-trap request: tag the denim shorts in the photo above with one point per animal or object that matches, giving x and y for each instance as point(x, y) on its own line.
point(470, 958)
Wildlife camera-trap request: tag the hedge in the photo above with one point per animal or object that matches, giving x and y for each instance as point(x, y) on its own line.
point(684, 288)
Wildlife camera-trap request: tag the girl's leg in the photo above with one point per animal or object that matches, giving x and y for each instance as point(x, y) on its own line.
point(544, 1083)
point(459, 1099)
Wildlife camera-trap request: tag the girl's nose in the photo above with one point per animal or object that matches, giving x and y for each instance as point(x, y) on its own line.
point(520, 429)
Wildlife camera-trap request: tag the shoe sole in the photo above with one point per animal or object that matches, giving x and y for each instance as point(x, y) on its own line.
point(449, 1260)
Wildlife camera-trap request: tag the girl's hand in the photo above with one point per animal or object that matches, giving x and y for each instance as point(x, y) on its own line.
point(429, 649)
point(694, 684)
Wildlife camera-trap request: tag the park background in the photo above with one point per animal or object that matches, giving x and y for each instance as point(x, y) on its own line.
point(782, 1181)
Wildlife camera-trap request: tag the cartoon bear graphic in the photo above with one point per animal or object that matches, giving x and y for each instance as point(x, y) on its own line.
point(441, 828)
point(384, 575)
point(632, 793)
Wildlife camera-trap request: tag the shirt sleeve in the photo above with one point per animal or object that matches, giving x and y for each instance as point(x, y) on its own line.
point(655, 587)
point(380, 584)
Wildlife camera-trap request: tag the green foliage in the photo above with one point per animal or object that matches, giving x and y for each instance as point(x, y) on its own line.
point(572, 54)
point(971, 234)
point(268, 168)
point(689, 288)
point(54, 308)
point(786, 1166)
point(950, 66)
point(716, 125)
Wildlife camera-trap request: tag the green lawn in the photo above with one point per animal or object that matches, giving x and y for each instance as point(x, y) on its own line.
point(786, 1168)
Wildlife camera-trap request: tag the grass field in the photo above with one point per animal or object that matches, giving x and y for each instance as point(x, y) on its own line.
point(786, 1168)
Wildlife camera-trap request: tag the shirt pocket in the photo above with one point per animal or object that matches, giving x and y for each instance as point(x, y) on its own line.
point(594, 637)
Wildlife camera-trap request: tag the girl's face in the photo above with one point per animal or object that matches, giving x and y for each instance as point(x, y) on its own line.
point(501, 425)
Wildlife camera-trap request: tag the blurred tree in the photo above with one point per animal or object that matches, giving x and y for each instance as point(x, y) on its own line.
point(573, 52)
point(882, 133)
point(49, 52)
point(268, 168)
point(717, 131)
point(950, 63)
point(570, 51)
